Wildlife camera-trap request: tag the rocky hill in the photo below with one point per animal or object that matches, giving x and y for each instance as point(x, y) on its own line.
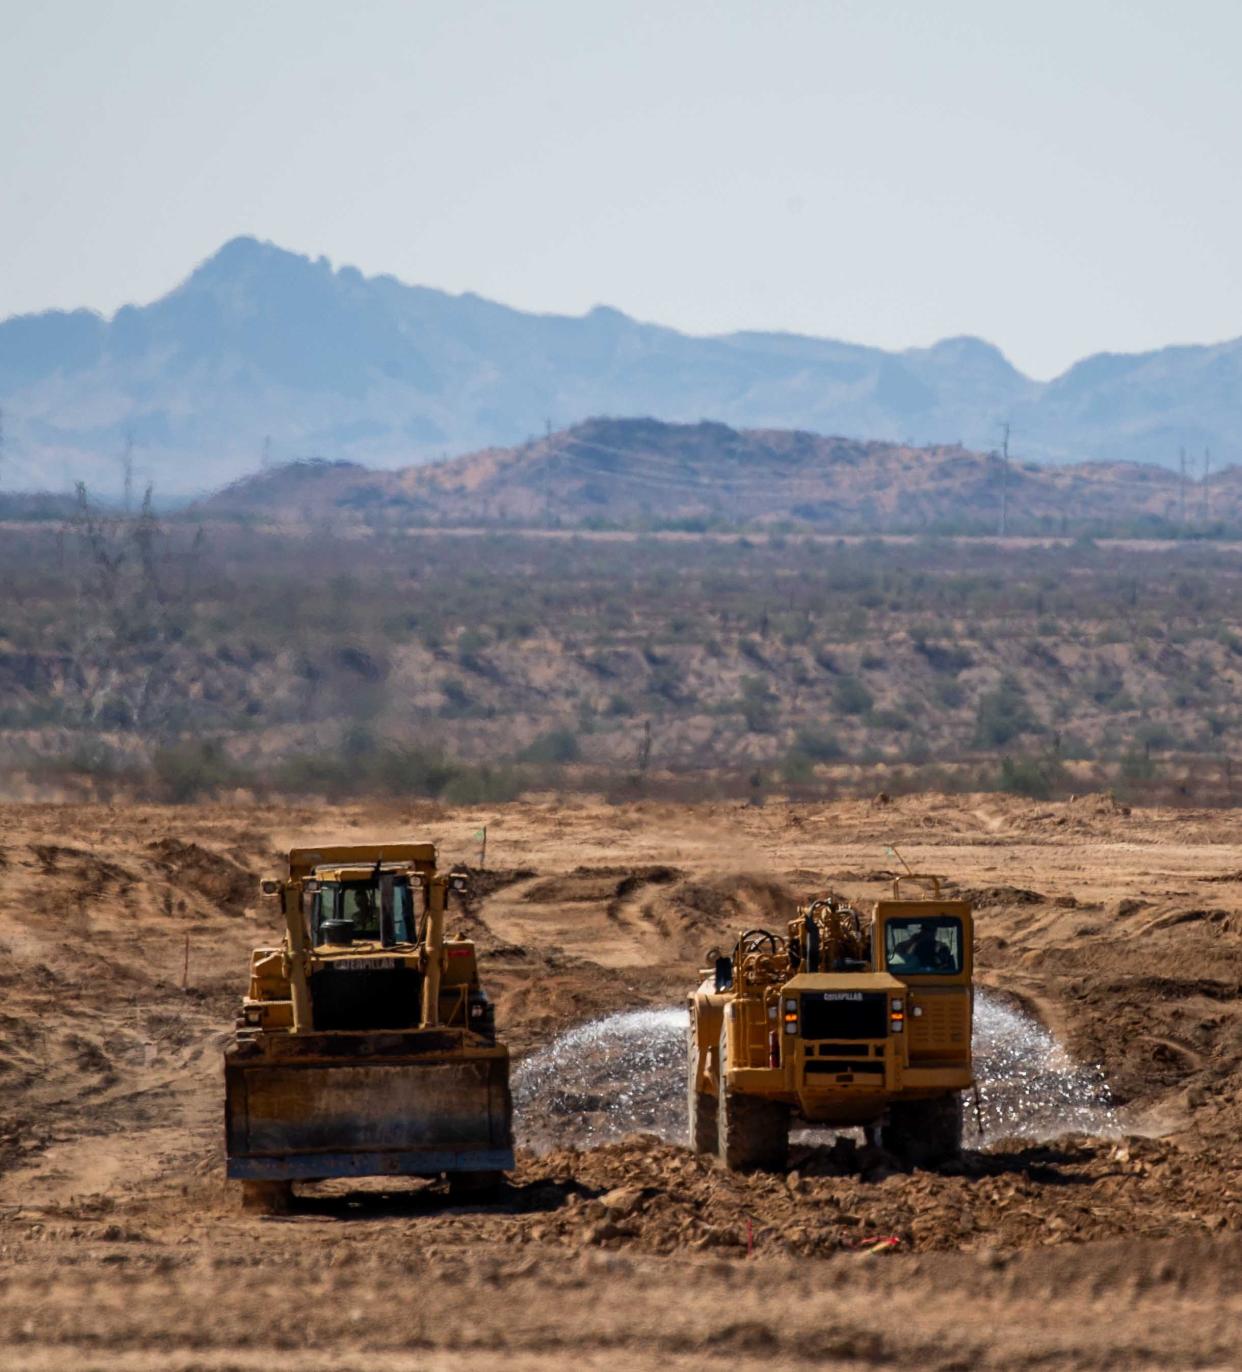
point(261, 351)
point(629, 473)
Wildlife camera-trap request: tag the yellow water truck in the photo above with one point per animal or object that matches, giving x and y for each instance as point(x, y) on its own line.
point(841, 1021)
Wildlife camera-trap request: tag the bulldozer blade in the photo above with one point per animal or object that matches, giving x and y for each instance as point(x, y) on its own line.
point(289, 1120)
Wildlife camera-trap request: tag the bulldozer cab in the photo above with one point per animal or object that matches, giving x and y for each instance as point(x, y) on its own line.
point(361, 904)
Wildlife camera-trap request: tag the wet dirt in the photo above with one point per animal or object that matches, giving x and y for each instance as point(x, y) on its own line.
point(1096, 1222)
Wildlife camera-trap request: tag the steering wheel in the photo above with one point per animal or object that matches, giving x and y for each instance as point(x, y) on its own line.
point(754, 941)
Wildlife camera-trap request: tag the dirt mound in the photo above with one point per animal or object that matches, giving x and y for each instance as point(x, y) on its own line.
point(218, 879)
point(733, 902)
point(484, 882)
point(646, 1194)
point(984, 897)
point(599, 883)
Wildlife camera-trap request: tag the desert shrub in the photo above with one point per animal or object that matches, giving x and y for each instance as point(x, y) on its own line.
point(88, 758)
point(948, 693)
point(457, 699)
point(408, 769)
point(667, 682)
point(917, 751)
point(470, 645)
point(186, 771)
point(894, 721)
point(851, 697)
point(1136, 765)
point(361, 662)
point(1037, 778)
point(797, 769)
point(557, 746)
point(758, 705)
point(1003, 715)
point(943, 657)
point(1155, 737)
point(481, 786)
point(363, 765)
point(794, 629)
point(825, 659)
point(817, 743)
point(1106, 686)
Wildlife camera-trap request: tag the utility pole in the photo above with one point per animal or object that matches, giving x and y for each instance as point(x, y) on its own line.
point(1004, 509)
point(1181, 490)
point(1207, 494)
point(127, 468)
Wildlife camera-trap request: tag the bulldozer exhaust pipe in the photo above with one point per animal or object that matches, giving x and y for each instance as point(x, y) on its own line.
point(433, 951)
point(299, 986)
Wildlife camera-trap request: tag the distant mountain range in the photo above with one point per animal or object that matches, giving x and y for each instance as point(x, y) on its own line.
point(646, 474)
point(265, 354)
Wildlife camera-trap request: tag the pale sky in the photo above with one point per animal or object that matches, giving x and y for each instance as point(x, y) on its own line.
point(1058, 176)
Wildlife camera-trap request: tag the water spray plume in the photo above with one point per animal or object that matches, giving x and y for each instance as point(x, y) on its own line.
point(625, 1074)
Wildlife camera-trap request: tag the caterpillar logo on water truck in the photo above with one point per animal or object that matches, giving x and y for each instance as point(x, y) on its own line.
point(840, 1021)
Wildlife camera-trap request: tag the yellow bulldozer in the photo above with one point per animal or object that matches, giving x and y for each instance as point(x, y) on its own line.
point(846, 1021)
point(365, 1045)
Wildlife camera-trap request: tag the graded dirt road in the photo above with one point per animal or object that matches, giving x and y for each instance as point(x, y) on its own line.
point(124, 939)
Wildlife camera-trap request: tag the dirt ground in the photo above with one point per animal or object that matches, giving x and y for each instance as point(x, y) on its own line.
point(124, 939)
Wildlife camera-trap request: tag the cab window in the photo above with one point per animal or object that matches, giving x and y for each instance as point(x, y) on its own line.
point(931, 945)
point(359, 901)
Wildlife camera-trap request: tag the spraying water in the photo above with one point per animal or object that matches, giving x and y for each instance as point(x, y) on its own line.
point(1029, 1086)
point(619, 1075)
point(626, 1073)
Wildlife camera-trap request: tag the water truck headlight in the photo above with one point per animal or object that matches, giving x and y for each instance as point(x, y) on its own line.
point(791, 1016)
point(897, 1015)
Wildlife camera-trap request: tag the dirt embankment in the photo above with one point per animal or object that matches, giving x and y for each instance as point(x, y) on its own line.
point(125, 936)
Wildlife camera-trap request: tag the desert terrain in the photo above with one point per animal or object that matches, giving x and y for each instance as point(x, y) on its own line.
point(1095, 1222)
point(148, 661)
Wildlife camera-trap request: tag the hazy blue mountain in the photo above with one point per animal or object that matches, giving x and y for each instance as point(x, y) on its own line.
point(259, 343)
